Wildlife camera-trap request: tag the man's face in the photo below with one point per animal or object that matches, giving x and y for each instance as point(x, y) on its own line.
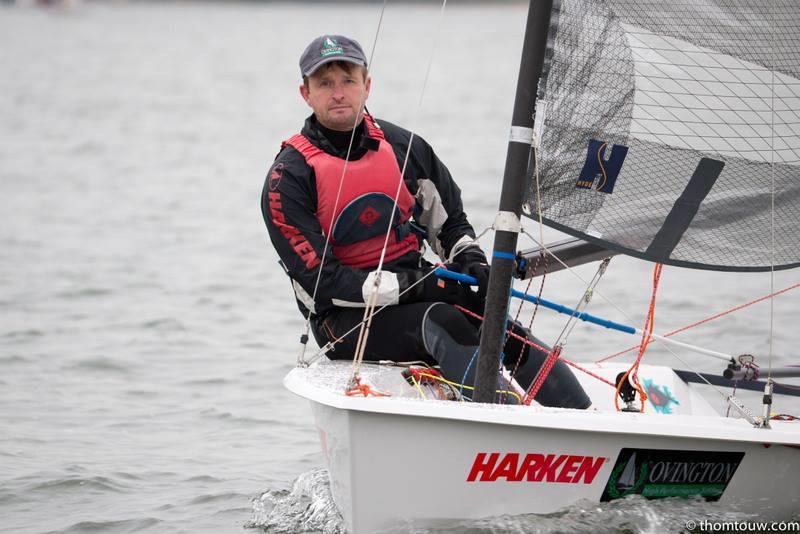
point(336, 96)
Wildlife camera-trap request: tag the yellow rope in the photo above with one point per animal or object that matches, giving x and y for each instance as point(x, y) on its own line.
point(457, 385)
point(416, 385)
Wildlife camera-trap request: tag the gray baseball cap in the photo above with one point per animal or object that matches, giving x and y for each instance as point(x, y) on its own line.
point(327, 48)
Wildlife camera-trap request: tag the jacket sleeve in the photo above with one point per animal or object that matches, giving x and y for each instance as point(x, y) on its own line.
point(288, 204)
point(440, 211)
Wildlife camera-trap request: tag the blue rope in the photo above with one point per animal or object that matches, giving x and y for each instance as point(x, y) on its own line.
point(464, 378)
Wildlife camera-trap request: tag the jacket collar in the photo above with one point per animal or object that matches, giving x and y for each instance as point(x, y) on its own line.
point(312, 131)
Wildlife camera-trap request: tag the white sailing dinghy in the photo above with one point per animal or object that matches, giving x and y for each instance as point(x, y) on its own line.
point(664, 130)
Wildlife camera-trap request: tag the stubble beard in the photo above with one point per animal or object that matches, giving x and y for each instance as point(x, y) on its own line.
point(342, 123)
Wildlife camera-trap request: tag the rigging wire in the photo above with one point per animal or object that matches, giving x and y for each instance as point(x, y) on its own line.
point(307, 326)
point(767, 399)
point(583, 303)
point(369, 308)
point(772, 195)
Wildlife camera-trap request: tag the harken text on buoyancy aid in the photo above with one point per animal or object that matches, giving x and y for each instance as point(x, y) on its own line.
point(358, 222)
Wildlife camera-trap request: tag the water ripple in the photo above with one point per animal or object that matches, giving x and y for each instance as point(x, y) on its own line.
point(125, 525)
point(25, 334)
point(98, 484)
point(99, 364)
point(84, 293)
point(633, 515)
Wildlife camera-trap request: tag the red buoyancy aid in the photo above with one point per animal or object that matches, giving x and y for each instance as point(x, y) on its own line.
point(358, 222)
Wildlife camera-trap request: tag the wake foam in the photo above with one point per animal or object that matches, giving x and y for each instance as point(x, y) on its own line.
point(308, 507)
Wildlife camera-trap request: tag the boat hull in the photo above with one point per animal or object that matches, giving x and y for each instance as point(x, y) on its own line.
point(391, 460)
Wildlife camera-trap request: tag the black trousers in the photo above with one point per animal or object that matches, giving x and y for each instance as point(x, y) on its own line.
point(439, 334)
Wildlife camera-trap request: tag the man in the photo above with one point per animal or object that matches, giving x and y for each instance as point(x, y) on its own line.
point(337, 180)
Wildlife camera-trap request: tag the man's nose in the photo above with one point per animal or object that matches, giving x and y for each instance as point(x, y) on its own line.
point(338, 91)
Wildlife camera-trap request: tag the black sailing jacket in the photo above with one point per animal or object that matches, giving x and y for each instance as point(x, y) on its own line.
point(289, 205)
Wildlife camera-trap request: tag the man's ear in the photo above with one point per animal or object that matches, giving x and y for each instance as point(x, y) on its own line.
point(304, 93)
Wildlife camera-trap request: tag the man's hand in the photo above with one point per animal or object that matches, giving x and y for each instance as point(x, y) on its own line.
point(430, 288)
point(473, 262)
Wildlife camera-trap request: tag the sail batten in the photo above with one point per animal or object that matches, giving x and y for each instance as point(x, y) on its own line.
point(636, 95)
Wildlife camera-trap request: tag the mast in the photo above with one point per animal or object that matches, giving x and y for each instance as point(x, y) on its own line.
point(507, 223)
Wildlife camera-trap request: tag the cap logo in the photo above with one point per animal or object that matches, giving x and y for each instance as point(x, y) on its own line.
point(330, 48)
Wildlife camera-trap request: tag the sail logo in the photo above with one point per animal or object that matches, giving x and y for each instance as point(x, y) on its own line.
point(602, 167)
point(656, 474)
point(517, 467)
point(330, 47)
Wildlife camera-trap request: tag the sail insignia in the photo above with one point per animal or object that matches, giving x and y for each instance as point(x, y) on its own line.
point(602, 166)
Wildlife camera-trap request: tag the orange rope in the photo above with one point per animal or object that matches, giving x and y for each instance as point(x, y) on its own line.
point(647, 334)
point(364, 390)
point(707, 319)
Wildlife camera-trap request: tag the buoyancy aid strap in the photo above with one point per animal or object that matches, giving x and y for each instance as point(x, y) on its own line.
point(372, 128)
point(302, 145)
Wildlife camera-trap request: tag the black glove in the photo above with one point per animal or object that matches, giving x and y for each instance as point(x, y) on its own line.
point(473, 262)
point(434, 289)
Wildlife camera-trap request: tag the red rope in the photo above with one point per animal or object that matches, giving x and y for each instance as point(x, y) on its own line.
point(541, 376)
point(588, 372)
point(707, 319)
point(541, 257)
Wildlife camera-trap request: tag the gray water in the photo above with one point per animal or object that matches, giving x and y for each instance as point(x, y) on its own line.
point(146, 326)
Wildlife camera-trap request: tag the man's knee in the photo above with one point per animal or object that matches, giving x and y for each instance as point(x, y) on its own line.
point(445, 320)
